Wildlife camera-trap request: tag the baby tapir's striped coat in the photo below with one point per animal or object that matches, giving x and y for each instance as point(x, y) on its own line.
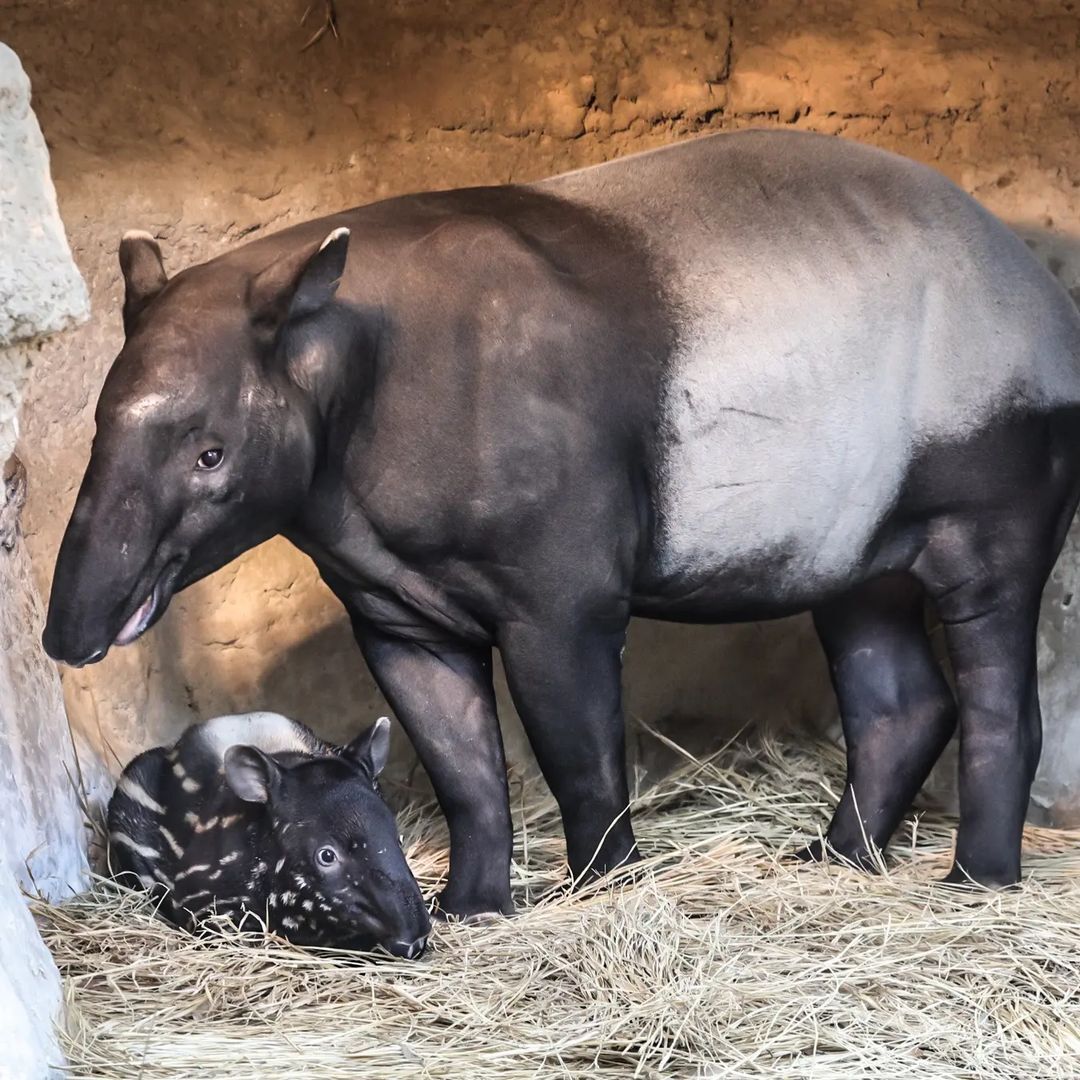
point(254, 815)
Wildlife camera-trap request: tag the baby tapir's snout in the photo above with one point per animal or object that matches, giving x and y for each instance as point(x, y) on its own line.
point(253, 817)
point(379, 886)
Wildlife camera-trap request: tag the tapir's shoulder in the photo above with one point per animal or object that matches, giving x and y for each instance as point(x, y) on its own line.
point(497, 234)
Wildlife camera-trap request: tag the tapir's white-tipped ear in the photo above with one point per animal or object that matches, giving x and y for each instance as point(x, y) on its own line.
point(332, 238)
point(319, 279)
point(299, 283)
point(250, 773)
point(371, 749)
point(143, 270)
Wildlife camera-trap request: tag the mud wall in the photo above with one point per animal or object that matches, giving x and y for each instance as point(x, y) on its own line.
point(207, 123)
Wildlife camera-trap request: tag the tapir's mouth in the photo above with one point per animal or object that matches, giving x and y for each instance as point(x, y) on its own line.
point(140, 618)
point(139, 621)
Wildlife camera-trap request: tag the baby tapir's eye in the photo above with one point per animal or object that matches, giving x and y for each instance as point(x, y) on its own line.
point(210, 459)
point(326, 856)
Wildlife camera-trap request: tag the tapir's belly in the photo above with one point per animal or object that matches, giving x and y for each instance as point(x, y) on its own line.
point(837, 311)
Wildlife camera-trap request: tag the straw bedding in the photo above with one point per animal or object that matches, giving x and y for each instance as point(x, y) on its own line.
point(720, 957)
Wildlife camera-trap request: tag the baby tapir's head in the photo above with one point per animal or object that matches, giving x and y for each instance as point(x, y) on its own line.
point(336, 872)
point(255, 815)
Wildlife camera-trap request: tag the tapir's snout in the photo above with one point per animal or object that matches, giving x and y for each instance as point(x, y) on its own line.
point(111, 582)
point(73, 635)
point(409, 950)
point(388, 907)
point(406, 933)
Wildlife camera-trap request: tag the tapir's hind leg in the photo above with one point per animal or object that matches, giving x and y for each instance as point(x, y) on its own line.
point(987, 583)
point(895, 705)
point(990, 627)
point(984, 563)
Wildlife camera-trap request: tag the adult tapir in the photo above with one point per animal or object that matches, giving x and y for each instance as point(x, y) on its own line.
point(743, 376)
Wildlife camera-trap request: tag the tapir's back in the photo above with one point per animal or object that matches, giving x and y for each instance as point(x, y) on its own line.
point(837, 308)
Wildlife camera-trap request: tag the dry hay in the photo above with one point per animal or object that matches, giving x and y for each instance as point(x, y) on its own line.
point(721, 958)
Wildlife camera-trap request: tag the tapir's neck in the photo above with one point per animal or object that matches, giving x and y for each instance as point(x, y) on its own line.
point(333, 363)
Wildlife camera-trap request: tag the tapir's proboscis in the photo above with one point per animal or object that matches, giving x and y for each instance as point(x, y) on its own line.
point(740, 377)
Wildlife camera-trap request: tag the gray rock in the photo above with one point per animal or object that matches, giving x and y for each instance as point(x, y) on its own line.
point(42, 842)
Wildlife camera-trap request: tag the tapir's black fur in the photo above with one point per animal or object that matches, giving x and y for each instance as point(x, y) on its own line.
point(745, 376)
point(285, 832)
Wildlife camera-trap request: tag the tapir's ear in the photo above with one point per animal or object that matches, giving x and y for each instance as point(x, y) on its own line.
point(251, 774)
point(144, 273)
point(298, 284)
point(371, 749)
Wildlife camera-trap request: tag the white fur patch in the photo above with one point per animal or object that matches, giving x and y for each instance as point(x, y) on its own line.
point(335, 235)
point(198, 869)
point(774, 439)
point(137, 793)
point(269, 732)
point(139, 849)
point(177, 850)
point(836, 308)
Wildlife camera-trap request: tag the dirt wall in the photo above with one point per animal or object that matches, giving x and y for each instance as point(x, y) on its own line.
point(206, 123)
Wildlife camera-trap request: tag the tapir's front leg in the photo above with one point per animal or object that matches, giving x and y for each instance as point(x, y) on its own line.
point(443, 697)
point(566, 683)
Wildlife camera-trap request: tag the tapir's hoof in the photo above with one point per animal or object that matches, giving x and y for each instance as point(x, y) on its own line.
point(860, 858)
point(448, 909)
point(958, 878)
point(619, 868)
point(812, 853)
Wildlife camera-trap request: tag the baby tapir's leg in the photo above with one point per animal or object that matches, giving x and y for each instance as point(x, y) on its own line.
point(895, 705)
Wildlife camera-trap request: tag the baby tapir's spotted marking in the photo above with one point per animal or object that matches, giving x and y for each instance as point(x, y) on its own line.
point(201, 824)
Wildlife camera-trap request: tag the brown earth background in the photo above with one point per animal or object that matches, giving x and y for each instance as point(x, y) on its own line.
point(206, 123)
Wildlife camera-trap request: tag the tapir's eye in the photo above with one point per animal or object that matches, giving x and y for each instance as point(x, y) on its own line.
point(326, 856)
point(210, 459)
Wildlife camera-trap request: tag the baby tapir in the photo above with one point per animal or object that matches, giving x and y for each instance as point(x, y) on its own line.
point(256, 814)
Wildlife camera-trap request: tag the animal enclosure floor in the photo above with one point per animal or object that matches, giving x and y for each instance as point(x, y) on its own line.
point(721, 958)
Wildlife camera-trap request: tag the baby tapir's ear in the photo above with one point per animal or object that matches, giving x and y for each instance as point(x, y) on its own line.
point(371, 749)
point(298, 284)
point(250, 773)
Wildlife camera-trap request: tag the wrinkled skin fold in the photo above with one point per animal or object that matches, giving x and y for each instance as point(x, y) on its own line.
point(741, 377)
